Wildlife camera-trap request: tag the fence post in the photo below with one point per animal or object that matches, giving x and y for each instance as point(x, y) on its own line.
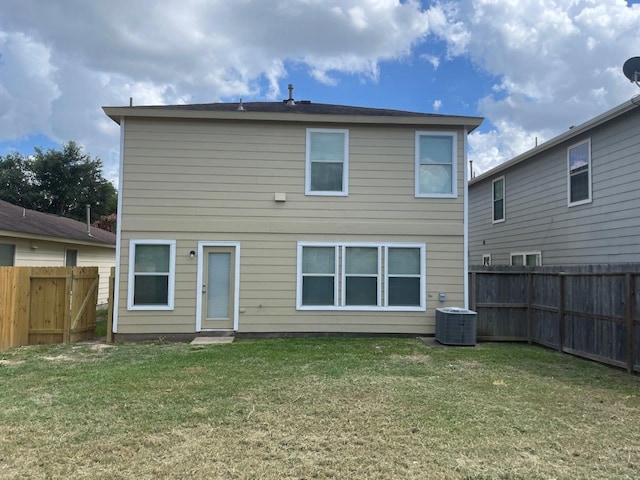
point(112, 282)
point(561, 309)
point(472, 305)
point(529, 307)
point(629, 320)
point(68, 288)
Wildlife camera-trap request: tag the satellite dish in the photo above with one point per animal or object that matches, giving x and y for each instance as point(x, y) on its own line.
point(631, 70)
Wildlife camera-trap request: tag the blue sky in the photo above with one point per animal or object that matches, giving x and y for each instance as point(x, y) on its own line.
point(532, 68)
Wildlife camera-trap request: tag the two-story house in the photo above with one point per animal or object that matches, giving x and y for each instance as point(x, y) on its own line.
point(573, 200)
point(288, 217)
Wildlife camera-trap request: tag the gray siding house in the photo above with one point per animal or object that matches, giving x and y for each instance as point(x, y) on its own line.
point(572, 200)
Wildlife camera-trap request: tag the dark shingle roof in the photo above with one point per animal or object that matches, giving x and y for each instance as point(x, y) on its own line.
point(302, 106)
point(18, 219)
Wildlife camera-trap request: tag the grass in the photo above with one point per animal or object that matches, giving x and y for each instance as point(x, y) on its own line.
point(313, 409)
point(101, 323)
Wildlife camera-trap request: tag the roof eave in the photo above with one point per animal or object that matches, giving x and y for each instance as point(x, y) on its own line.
point(116, 113)
point(52, 238)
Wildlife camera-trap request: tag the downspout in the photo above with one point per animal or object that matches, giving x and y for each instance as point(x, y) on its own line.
point(466, 222)
point(116, 293)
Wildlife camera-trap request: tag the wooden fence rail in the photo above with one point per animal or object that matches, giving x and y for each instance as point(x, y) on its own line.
point(585, 311)
point(47, 305)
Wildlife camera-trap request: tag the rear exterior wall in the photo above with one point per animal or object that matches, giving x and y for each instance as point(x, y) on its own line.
point(207, 181)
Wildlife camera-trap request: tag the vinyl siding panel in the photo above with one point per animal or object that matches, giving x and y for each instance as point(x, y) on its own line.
point(52, 254)
point(192, 181)
point(538, 218)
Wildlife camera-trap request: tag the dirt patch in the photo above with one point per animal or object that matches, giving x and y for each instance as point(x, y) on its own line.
point(11, 363)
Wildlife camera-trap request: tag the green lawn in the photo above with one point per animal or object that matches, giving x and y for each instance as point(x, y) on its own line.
point(314, 409)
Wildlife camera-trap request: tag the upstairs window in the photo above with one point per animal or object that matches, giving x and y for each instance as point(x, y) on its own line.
point(151, 274)
point(579, 166)
point(436, 164)
point(498, 200)
point(327, 162)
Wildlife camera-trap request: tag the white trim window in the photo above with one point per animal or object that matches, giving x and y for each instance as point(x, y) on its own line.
point(70, 257)
point(436, 164)
point(579, 173)
point(529, 259)
point(152, 266)
point(361, 276)
point(327, 162)
point(498, 191)
point(486, 259)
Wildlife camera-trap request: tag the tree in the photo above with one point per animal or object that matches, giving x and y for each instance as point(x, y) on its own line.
point(62, 182)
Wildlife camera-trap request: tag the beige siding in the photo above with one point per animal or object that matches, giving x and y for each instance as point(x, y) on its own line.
point(193, 181)
point(44, 253)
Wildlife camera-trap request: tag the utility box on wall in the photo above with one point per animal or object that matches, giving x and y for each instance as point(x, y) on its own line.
point(456, 326)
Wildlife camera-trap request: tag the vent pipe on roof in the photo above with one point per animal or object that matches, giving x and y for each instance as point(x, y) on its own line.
point(24, 212)
point(131, 101)
point(240, 107)
point(89, 220)
point(290, 101)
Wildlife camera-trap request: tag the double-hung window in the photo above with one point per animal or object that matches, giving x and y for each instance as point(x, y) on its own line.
point(327, 162)
point(361, 276)
point(498, 200)
point(151, 274)
point(579, 166)
point(318, 267)
point(436, 164)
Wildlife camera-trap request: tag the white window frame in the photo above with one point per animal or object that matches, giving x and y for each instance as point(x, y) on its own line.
point(454, 164)
point(383, 284)
point(172, 274)
point(524, 255)
point(343, 276)
point(493, 200)
point(486, 259)
point(345, 164)
point(589, 198)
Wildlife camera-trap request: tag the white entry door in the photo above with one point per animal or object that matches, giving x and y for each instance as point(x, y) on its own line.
point(218, 288)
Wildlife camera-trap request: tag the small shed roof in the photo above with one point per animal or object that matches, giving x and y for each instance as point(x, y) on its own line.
point(14, 218)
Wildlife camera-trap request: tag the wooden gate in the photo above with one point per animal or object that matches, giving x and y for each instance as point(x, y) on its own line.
point(47, 305)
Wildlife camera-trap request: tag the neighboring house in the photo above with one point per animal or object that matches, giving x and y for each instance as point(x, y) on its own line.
point(34, 239)
point(288, 217)
point(572, 200)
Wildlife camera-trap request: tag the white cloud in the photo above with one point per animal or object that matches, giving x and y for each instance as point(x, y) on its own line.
point(559, 64)
point(437, 105)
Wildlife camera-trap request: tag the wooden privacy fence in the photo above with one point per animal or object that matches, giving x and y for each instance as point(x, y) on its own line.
point(592, 311)
point(47, 305)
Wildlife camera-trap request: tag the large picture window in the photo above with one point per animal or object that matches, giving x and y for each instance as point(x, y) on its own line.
point(370, 276)
point(498, 200)
point(436, 164)
point(579, 165)
point(151, 274)
point(327, 162)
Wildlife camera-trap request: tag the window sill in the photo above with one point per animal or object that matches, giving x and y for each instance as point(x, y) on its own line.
point(361, 309)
